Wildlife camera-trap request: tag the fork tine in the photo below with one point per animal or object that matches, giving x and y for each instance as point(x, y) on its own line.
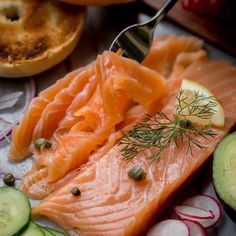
point(114, 46)
point(124, 53)
point(136, 40)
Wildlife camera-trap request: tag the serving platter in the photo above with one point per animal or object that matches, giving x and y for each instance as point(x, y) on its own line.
point(102, 26)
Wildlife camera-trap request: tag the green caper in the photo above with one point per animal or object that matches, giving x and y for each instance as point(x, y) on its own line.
point(42, 143)
point(76, 191)
point(9, 179)
point(185, 123)
point(137, 173)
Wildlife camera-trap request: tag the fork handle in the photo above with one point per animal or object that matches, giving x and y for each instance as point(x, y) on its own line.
point(161, 13)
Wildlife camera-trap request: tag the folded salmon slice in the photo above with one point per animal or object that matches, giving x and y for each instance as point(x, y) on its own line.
point(35, 182)
point(121, 83)
point(166, 49)
point(113, 204)
point(22, 134)
point(56, 110)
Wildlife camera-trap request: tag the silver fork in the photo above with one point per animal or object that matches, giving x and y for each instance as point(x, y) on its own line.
point(135, 41)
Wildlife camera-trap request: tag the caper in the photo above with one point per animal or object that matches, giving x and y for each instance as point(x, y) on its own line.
point(185, 123)
point(76, 191)
point(9, 179)
point(137, 173)
point(42, 143)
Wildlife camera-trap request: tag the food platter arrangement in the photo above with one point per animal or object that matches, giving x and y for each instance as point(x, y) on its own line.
point(93, 143)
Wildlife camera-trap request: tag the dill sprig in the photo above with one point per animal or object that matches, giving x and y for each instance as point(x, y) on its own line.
point(159, 130)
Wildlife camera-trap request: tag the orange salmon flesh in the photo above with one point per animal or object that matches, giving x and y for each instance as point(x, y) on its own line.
point(83, 115)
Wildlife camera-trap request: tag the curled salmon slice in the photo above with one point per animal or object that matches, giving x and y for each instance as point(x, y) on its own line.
point(56, 110)
point(166, 49)
point(23, 132)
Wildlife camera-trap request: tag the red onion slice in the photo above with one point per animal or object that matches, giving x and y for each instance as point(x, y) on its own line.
point(9, 100)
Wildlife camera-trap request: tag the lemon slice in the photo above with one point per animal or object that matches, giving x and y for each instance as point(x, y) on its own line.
point(204, 110)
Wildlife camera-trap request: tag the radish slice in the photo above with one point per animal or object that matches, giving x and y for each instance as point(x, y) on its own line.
point(169, 228)
point(207, 203)
point(189, 212)
point(195, 228)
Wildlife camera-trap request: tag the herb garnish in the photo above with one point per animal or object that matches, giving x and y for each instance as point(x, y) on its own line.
point(159, 130)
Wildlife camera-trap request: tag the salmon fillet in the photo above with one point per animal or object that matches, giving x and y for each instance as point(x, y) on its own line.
point(38, 182)
point(35, 182)
point(121, 83)
point(113, 204)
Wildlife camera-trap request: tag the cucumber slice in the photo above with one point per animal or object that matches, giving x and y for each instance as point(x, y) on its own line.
point(14, 211)
point(51, 232)
point(46, 231)
point(224, 173)
point(33, 230)
point(56, 232)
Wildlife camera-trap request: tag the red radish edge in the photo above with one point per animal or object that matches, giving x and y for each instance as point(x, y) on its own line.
point(169, 228)
point(31, 90)
point(190, 224)
point(207, 223)
point(210, 214)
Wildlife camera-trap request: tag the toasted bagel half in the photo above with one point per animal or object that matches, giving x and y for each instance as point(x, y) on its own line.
point(96, 2)
point(36, 35)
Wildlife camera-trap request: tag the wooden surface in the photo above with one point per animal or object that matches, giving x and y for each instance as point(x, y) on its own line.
point(222, 36)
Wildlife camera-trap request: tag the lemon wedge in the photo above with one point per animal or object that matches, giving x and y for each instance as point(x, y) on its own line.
point(204, 110)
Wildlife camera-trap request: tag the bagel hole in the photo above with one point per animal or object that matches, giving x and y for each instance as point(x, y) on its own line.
point(12, 13)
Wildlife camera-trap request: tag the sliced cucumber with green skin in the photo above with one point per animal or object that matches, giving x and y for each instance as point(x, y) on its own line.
point(224, 173)
point(15, 211)
point(51, 232)
point(33, 230)
point(56, 232)
point(46, 231)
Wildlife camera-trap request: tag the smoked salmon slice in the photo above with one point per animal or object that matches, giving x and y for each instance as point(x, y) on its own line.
point(84, 112)
point(56, 110)
point(22, 134)
point(166, 49)
point(121, 83)
point(35, 182)
point(113, 204)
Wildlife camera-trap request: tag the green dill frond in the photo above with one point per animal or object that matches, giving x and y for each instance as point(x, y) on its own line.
point(159, 130)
